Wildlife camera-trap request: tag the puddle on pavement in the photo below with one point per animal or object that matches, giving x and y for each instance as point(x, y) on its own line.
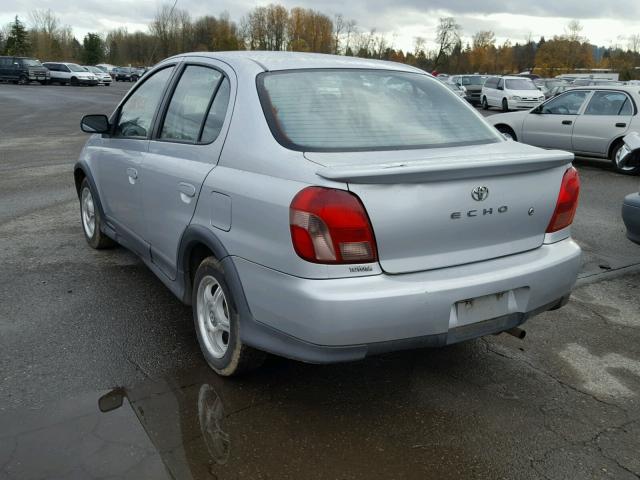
point(199, 426)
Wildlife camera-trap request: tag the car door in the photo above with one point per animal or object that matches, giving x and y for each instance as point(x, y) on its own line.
point(186, 146)
point(119, 158)
point(606, 117)
point(551, 124)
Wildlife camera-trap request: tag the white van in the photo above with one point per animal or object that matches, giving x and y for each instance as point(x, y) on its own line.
point(510, 93)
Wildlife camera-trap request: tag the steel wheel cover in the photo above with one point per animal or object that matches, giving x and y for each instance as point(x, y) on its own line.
point(212, 312)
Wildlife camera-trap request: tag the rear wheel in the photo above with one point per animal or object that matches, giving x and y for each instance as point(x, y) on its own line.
point(91, 219)
point(217, 323)
point(485, 104)
point(505, 105)
point(629, 168)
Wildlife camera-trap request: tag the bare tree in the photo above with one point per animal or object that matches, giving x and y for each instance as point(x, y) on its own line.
point(634, 43)
point(447, 36)
point(573, 31)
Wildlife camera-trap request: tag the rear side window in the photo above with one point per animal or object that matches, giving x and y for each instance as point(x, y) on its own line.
point(351, 110)
point(609, 103)
point(189, 103)
point(217, 113)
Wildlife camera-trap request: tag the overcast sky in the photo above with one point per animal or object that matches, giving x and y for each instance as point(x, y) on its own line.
point(605, 22)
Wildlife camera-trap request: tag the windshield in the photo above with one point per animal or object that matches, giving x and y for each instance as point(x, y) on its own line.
point(31, 63)
point(520, 84)
point(75, 68)
point(349, 110)
point(473, 80)
point(94, 70)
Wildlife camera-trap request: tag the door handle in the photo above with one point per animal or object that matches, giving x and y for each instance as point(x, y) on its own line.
point(132, 173)
point(567, 122)
point(621, 124)
point(186, 188)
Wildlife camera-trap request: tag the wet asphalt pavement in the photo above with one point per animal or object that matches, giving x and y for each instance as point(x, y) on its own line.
point(101, 375)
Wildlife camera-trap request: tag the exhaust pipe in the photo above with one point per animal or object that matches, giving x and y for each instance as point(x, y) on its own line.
point(516, 332)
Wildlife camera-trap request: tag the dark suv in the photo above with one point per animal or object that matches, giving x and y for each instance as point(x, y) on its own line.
point(23, 70)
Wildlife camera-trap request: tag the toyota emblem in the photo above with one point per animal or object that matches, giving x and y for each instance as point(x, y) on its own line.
point(480, 193)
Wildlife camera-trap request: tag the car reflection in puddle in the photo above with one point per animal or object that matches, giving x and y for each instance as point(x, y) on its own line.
point(290, 420)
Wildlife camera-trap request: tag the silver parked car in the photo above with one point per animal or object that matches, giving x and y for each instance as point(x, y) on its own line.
point(630, 152)
point(589, 121)
point(326, 208)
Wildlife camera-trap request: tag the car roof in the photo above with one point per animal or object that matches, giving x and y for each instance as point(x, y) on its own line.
point(626, 88)
point(300, 60)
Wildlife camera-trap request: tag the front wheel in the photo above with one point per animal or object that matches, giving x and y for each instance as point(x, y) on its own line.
point(507, 132)
point(23, 80)
point(91, 219)
point(505, 105)
point(631, 167)
point(217, 323)
point(485, 104)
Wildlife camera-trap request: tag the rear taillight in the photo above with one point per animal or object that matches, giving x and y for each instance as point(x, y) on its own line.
point(567, 201)
point(331, 226)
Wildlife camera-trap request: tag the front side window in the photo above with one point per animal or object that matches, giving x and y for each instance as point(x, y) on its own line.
point(609, 103)
point(137, 112)
point(349, 110)
point(520, 84)
point(566, 104)
point(189, 103)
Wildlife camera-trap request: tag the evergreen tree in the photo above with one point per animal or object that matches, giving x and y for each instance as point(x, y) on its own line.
point(93, 49)
point(18, 39)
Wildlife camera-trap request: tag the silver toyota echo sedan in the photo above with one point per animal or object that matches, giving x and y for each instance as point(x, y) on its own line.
point(326, 208)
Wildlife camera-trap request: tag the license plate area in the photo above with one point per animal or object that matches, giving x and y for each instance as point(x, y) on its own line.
point(487, 307)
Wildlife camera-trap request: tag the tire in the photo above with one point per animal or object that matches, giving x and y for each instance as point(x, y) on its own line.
point(628, 170)
point(485, 104)
point(89, 211)
point(217, 323)
point(23, 80)
point(505, 105)
point(508, 131)
point(74, 81)
point(43, 82)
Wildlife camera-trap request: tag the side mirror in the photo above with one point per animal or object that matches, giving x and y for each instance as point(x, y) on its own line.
point(500, 88)
point(629, 152)
point(95, 124)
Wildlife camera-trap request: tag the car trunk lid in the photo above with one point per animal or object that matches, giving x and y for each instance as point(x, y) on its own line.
point(442, 207)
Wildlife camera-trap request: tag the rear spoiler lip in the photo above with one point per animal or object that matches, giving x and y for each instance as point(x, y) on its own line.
point(444, 169)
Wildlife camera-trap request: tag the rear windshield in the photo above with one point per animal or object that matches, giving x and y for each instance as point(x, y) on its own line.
point(473, 80)
point(351, 110)
point(520, 84)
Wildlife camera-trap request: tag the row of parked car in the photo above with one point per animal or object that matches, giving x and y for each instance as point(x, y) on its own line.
point(23, 70)
point(515, 92)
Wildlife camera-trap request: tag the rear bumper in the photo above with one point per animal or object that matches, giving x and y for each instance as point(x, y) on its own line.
point(325, 321)
point(631, 216)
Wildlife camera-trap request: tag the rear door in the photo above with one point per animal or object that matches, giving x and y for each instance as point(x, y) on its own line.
point(186, 146)
point(606, 117)
point(551, 125)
